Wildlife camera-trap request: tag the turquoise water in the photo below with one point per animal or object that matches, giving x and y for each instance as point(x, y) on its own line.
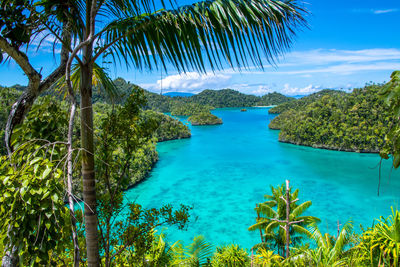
point(223, 171)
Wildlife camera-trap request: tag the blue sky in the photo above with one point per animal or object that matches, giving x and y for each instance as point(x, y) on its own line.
point(348, 44)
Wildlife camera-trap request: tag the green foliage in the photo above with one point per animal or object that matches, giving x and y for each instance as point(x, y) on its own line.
point(160, 253)
point(267, 258)
point(225, 98)
point(272, 211)
point(168, 127)
point(330, 250)
point(349, 122)
point(32, 202)
point(304, 101)
point(8, 95)
point(198, 253)
point(390, 93)
point(18, 21)
point(46, 122)
point(380, 245)
point(125, 143)
point(274, 99)
point(188, 109)
point(204, 118)
point(210, 99)
point(231, 255)
point(129, 239)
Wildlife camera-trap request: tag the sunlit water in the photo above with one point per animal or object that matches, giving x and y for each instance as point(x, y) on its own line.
point(223, 171)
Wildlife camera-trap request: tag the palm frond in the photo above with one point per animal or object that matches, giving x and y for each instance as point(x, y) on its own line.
point(344, 236)
point(236, 30)
point(300, 209)
point(267, 210)
point(100, 79)
point(301, 230)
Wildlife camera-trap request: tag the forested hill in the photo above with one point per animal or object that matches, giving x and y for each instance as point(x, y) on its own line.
point(304, 101)
point(231, 98)
point(217, 99)
point(356, 121)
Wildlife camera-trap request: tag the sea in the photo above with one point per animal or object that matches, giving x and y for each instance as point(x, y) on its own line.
point(223, 171)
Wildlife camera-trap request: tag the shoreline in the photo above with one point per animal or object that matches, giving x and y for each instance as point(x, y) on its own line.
point(271, 106)
point(325, 147)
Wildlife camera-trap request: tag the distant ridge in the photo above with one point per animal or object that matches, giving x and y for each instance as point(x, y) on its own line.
point(181, 94)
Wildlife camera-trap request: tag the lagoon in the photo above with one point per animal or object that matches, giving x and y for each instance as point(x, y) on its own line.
point(224, 170)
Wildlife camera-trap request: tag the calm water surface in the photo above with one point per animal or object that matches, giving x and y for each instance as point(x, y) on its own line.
point(223, 171)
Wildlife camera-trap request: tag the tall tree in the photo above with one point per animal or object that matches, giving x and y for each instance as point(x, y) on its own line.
point(20, 22)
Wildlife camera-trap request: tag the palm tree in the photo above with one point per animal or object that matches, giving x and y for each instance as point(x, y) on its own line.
point(236, 32)
point(272, 212)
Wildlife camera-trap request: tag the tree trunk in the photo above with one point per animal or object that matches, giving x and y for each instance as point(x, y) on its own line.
point(287, 218)
point(69, 183)
point(88, 174)
point(10, 258)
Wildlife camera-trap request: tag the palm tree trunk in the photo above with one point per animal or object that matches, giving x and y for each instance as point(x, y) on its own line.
point(88, 174)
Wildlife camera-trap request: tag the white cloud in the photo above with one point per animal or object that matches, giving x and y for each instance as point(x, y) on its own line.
point(301, 71)
point(384, 11)
point(330, 56)
point(189, 82)
point(344, 69)
point(262, 90)
point(331, 60)
point(288, 90)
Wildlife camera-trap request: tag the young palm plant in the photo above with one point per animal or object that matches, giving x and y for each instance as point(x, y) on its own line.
point(330, 251)
point(272, 211)
point(380, 245)
point(198, 253)
point(231, 255)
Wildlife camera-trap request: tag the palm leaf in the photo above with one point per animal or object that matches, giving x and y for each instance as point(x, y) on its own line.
point(100, 79)
point(236, 30)
point(301, 230)
point(343, 237)
point(267, 210)
point(300, 209)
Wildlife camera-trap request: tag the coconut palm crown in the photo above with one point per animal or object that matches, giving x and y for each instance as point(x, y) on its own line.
point(273, 210)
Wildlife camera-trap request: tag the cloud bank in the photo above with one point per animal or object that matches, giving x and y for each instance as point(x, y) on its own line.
point(190, 82)
point(298, 73)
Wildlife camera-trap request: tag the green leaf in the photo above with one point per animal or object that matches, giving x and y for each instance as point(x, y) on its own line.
point(46, 172)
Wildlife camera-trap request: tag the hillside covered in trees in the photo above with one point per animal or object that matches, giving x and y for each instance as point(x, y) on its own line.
point(304, 101)
point(215, 99)
point(204, 118)
point(54, 117)
point(356, 121)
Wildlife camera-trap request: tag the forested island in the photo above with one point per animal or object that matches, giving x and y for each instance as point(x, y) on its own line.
point(329, 119)
point(204, 118)
point(213, 99)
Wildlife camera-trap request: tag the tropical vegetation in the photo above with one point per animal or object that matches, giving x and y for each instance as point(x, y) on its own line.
point(211, 99)
point(57, 153)
point(204, 118)
point(145, 34)
point(356, 121)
